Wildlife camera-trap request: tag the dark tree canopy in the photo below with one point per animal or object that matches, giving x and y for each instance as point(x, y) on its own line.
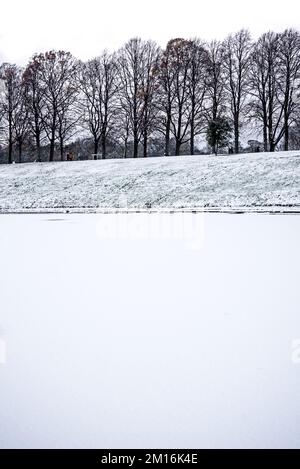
point(218, 133)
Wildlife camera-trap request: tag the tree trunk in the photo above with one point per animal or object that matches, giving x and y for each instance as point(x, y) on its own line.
point(214, 147)
point(272, 146)
point(145, 145)
point(10, 144)
point(51, 155)
point(236, 137)
point(52, 144)
point(177, 147)
point(125, 149)
point(61, 149)
point(96, 145)
point(192, 141)
point(135, 147)
point(286, 135)
point(178, 136)
point(192, 146)
point(103, 145)
point(20, 151)
point(10, 151)
point(192, 126)
point(271, 141)
point(265, 137)
point(38, 147)
point(167, 136)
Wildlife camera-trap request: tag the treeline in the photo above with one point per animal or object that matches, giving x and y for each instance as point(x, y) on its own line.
point(142, 96)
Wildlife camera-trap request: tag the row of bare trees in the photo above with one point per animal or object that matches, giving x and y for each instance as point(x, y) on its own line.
point(141, 92)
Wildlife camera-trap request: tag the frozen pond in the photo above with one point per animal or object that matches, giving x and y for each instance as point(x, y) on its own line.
point(148, 331)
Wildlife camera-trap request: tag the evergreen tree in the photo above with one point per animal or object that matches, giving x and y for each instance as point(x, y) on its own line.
point(218, 133)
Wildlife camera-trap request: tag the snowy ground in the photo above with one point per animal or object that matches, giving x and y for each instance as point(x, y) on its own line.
point(249, 181)
point(149, 330)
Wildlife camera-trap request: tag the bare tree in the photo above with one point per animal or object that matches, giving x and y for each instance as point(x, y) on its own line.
point(265, 104)
point(125, 134)
point(99, 87)
point(197, 85)
point(68, 111)
point(21, 118)
point(131, 99)
point(180, 116)
point(90, 100)
point(288, 82)
point(236, 63)
point(68, 119)
point(166, 96)
point(175, 87)
point(149, 84)
point(136, 70)
point(10, 82)
point(55, 71)
point(215, 106)
point(35, 104)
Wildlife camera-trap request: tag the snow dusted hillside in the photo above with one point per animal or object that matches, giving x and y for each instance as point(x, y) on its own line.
point(249, 181)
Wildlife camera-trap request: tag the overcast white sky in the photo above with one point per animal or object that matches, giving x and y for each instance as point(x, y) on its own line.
point(86, 27)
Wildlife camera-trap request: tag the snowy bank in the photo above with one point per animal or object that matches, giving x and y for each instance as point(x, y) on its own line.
point(249, 181)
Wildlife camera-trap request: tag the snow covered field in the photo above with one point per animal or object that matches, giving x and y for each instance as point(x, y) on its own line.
point(253, 181)
point(185, 334)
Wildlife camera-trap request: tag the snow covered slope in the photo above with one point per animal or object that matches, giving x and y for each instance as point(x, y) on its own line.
point(248, 181)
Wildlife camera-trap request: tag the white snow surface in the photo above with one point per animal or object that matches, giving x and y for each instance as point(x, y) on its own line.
point(185, 182)
point(117, 341)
